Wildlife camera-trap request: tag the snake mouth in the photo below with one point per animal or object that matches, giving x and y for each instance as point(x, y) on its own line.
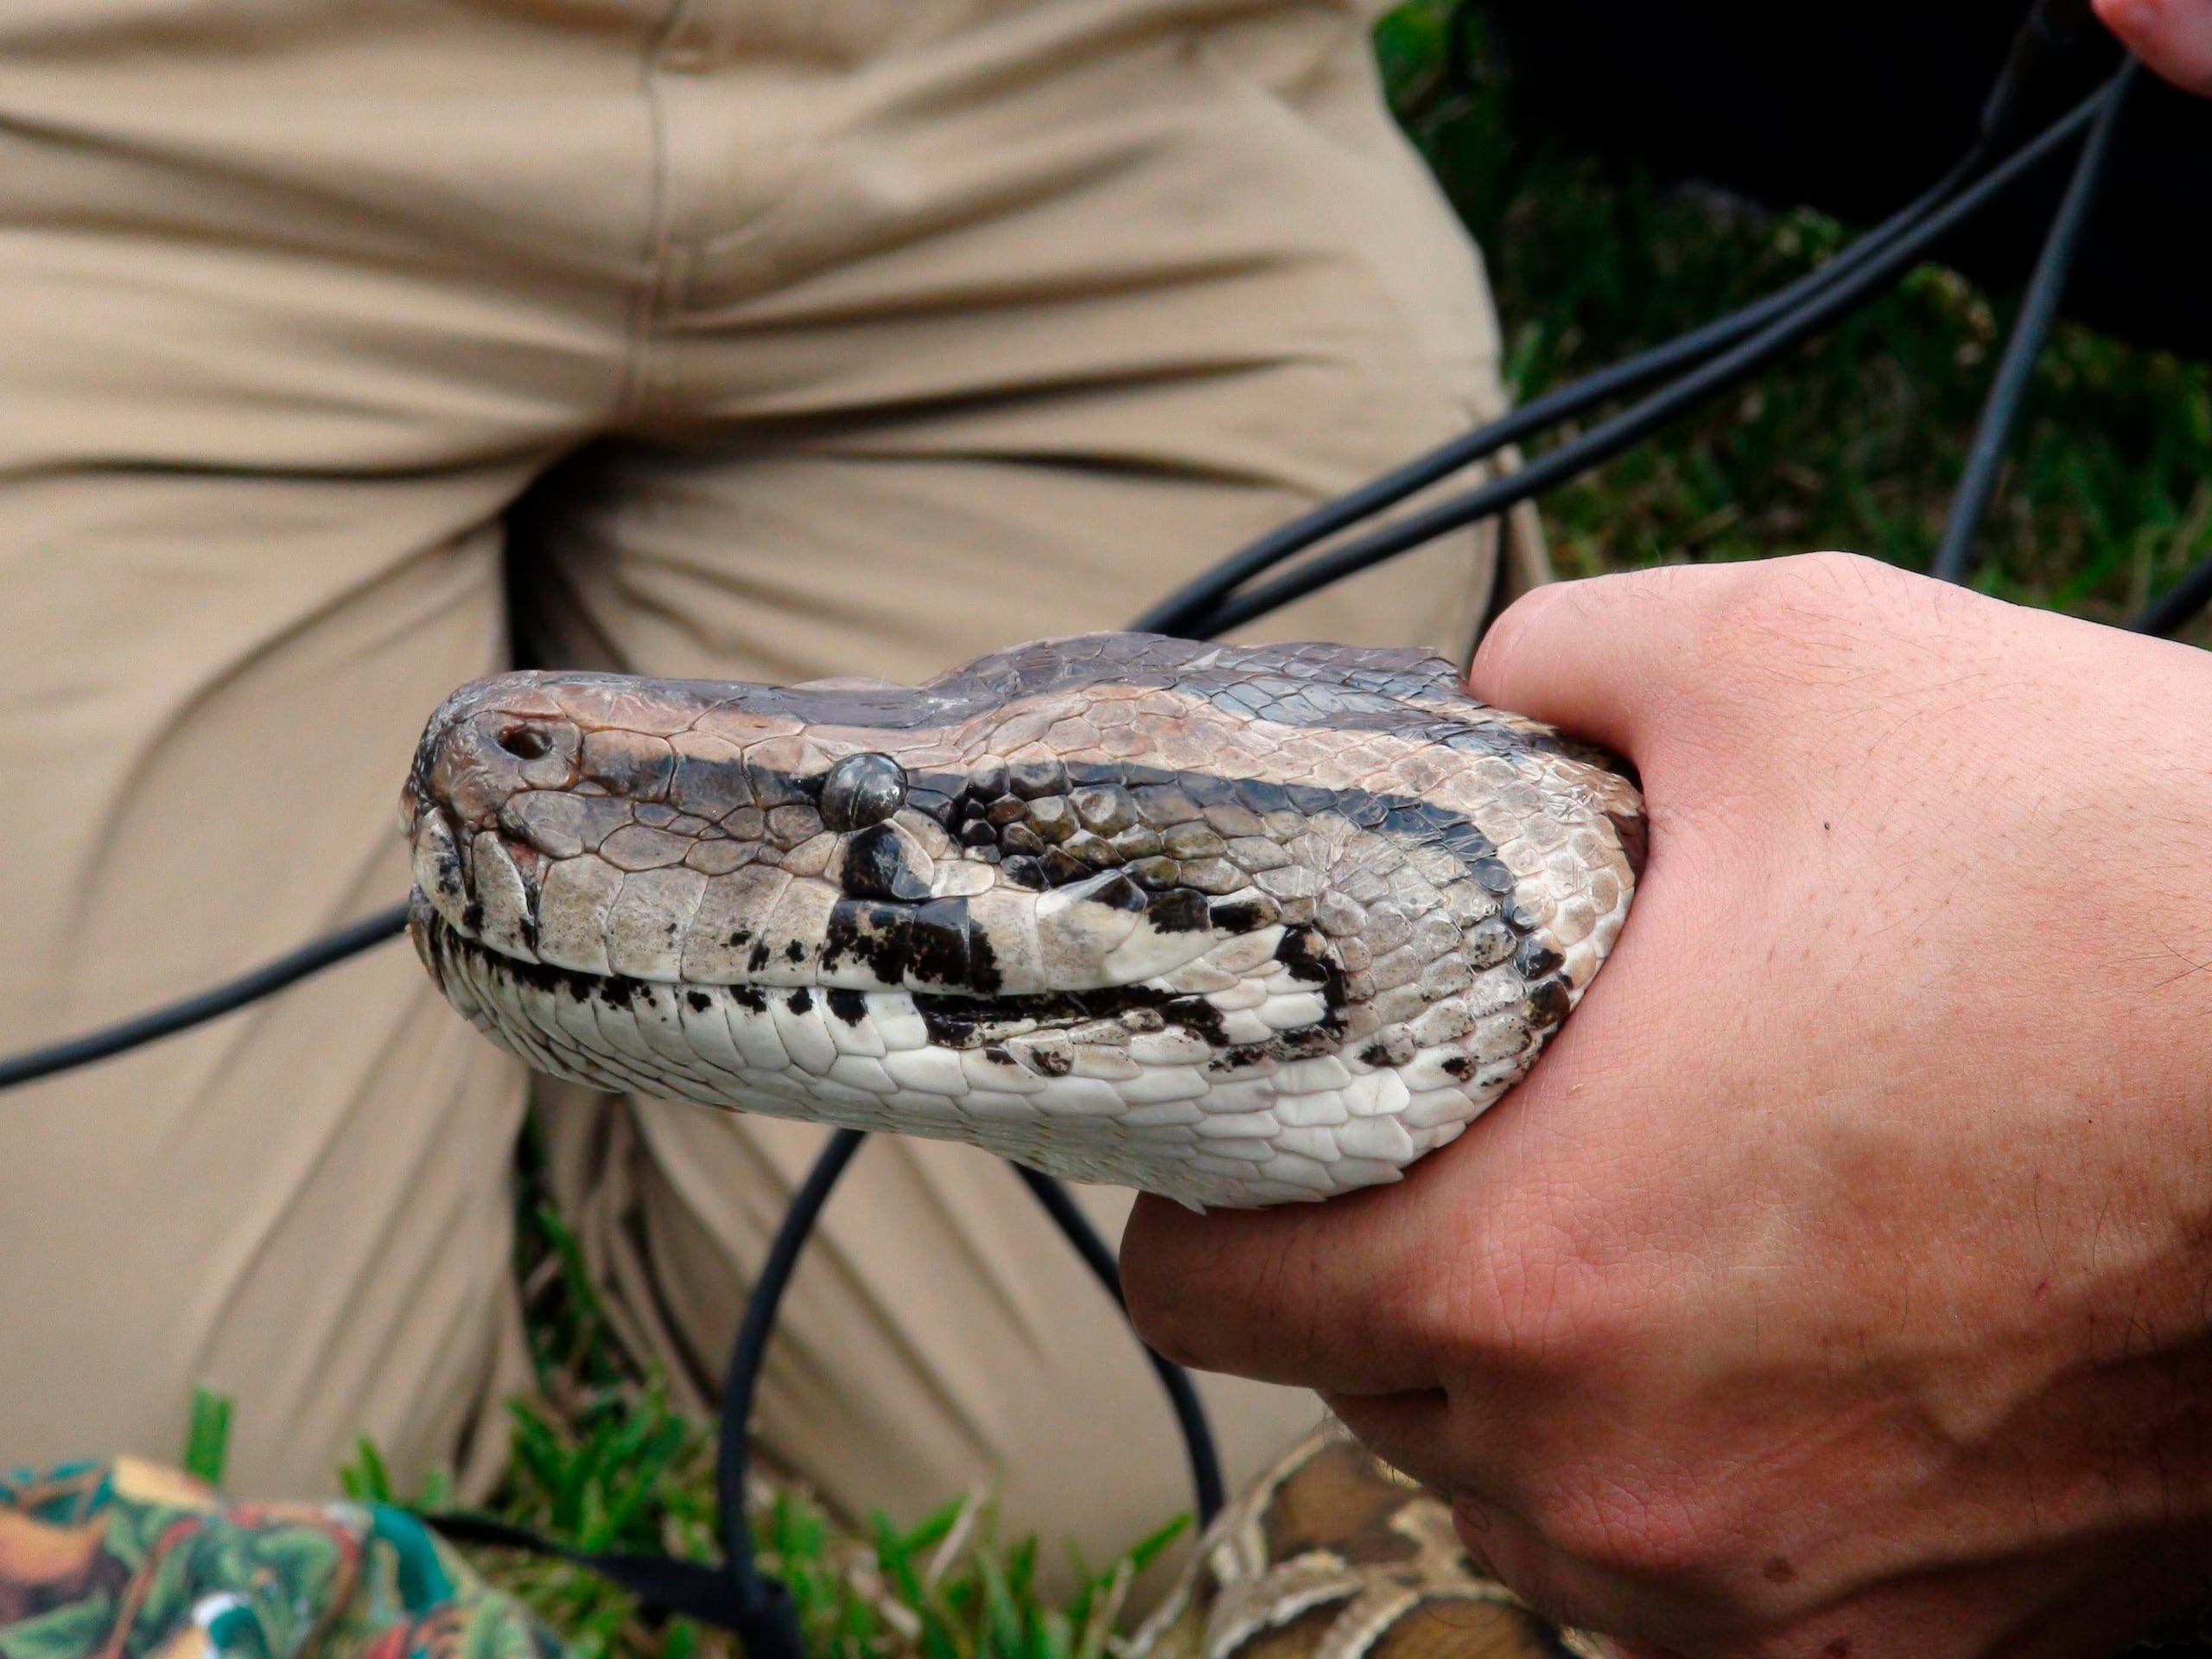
point(956, 989)
point(1305, 1020)
point(965, 931)
point(1087, 1082)
point(1019, 987)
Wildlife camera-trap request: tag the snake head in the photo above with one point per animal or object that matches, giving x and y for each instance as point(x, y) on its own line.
point(1299, 912)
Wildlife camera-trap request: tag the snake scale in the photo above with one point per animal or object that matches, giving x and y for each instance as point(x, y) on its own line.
point(1234, 924)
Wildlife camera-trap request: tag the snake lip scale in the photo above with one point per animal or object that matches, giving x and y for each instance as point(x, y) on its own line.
point(1235, 925)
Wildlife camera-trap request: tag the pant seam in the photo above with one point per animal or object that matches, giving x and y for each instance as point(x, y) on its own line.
point(646, 303)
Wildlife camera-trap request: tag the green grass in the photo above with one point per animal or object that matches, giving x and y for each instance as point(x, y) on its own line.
point(1855, 444)
point(626, 1471)
point(602, 1460)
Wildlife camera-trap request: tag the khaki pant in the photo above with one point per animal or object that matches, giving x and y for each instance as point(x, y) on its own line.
point(789, 337)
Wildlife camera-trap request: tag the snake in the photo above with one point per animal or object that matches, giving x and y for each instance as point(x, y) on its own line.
point(1235, 925)
point(1330, 1553)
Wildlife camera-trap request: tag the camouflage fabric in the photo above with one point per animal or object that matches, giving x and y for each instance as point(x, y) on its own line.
point(126, 1559)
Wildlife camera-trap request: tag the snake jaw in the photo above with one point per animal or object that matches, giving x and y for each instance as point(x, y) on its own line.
point(1236, 926)
point(441, 880)
point(422, 923)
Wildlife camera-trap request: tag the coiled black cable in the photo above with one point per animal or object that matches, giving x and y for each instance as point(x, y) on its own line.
point(761, 1605)
point(2008, 388)
point(2043, 56)
point(211, 1004)
point(2178, 607)
point(1182, 1394)
point(767, 1618)
point(1630, 427)
point(1187, 609)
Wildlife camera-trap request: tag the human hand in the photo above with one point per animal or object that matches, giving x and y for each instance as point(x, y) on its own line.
point(2173, 37)
point(1838, 1283)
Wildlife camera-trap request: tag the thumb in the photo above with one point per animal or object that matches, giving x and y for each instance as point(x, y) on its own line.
point(2173, 37)
point(1605, 659)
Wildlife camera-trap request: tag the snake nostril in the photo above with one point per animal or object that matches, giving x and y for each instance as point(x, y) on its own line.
point(525, 742)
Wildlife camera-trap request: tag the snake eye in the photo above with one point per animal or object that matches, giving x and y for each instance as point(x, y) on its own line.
point(525, 742)
point(861, 790)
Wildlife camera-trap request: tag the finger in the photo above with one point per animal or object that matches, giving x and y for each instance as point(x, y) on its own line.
point(1417, 1436)
point(1508, 1550)
point(1413, 1433)
point(1600, 658)
point(2172, 37)
point(1337, 1296)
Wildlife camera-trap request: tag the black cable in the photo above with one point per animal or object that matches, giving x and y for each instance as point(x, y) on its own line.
point(1630, 427)
point(2175, 609)
point(1208, 1486)
point(2008, 387)
point(2053, 44)
point(2043, 56)
point(765, 1615)
point(1188, 605)
point(735, 1595)
point(690, 1589)
point(211, 1004)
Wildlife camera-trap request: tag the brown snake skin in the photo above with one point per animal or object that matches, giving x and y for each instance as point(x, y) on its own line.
point(1331, 1554)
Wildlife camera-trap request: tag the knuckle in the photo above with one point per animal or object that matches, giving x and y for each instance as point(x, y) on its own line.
point(1536, 1294)
point(1622, 1528)
point(1162, 1258)
point(1594, 606)
point(1235, 1290)
point(1783, 628)
point(1784, 602)
point(1816, 625)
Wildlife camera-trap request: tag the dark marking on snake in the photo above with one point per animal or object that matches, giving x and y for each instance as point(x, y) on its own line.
point(957, 1021)
point(1243, 915)
point(1179, 909)
point(1549, 1002)
point(876, 867)
point(938, 937)
point(1533, 959)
